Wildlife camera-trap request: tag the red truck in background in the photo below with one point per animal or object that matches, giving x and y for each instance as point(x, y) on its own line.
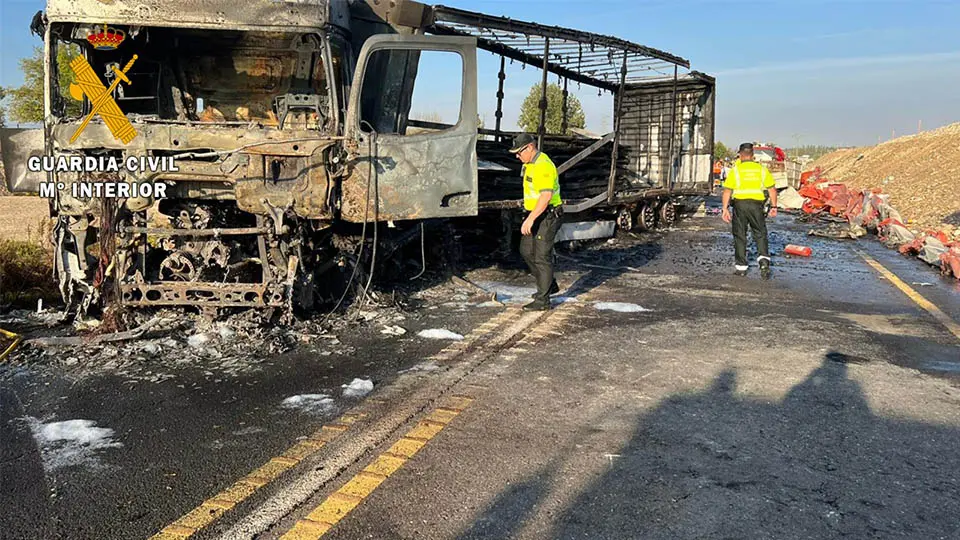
point(786, 172)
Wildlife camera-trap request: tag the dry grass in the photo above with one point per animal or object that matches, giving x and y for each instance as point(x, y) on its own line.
point(24, 218)
point(26, 271)
point(26, 274)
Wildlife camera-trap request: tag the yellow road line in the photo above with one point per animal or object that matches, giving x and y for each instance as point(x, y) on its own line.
point(939, 315)
point(340, 503)
point(17, 338)
point(213, 508)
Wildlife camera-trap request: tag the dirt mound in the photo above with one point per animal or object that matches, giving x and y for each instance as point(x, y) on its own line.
point(920, 172)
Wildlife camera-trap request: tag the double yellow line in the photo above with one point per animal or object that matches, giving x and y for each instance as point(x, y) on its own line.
point(214, 507)
point(340, 503)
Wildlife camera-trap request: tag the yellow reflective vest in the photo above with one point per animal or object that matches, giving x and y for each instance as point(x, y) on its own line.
point(539, 176)
point(749, 180)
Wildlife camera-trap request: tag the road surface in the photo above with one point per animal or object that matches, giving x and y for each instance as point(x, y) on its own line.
point(664, 398)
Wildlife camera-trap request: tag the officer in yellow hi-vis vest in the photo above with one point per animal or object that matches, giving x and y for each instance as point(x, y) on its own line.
point(748, 183)
point(541, 198)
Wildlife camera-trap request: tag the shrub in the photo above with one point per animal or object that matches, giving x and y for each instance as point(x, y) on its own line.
point(26, 274)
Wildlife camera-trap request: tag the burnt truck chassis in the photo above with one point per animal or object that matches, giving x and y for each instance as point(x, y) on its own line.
point(257, 214)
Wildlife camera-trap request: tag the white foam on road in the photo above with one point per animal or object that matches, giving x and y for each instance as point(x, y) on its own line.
point(439, 333)
point(423, 366)
point(393, 330)
point(357, 388)
point(311, 403)
point(621, 307)
point(512, 294)
point(508, 294)
point(72, 443)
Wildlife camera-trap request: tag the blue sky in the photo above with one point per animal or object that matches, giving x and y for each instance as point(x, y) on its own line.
point(818, 72)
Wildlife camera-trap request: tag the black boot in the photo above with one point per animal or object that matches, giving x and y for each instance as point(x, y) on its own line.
point(554, 289)
point(537, 305)
point(765, 269)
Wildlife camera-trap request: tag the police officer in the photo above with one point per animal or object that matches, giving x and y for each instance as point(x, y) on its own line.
point(748, 183)
point(541, 199)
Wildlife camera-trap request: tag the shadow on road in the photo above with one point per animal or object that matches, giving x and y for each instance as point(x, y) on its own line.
point(818, 464)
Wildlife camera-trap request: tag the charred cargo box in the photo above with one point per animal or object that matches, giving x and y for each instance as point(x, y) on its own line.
point(656, 158)
point(666, 134)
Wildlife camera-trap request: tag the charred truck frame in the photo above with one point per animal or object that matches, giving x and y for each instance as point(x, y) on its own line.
point(289, 122)
point(658, 155)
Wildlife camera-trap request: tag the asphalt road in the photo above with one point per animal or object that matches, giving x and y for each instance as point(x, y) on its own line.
point(823, 403)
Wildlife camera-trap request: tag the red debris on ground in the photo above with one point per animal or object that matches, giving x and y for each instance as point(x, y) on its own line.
point(950, 261)
point(919, 172)
point(870, 209)
point(800, 251)
point(916, 245)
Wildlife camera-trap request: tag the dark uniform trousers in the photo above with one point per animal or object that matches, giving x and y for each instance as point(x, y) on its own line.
point(750, 213)
point(537, 250)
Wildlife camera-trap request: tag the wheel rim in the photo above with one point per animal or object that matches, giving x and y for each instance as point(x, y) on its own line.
point(668, 213)
point(625, 220)
point(647, 216)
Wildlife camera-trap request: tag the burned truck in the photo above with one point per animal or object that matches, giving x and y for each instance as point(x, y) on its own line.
point(295, 152)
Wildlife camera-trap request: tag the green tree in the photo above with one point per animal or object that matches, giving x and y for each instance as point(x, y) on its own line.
point(2, 109)
point(720, 151)
point(530, 110)
point(26, 101)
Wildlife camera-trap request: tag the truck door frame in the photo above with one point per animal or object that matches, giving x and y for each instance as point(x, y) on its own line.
point(419, 176)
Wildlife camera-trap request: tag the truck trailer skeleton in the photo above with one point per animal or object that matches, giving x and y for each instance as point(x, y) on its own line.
point(290, 126)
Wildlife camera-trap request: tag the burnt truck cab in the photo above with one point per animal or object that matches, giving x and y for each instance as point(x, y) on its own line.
point(281, 122)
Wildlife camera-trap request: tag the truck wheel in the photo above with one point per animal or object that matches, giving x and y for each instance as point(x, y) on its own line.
point(646, 217)
point(668, 213)
point(625, 219)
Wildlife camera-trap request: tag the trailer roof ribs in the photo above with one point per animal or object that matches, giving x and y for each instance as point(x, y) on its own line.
point(584, 57)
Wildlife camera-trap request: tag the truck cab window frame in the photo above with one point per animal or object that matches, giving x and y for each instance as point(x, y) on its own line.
point(397, 116)
point(238, 74)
